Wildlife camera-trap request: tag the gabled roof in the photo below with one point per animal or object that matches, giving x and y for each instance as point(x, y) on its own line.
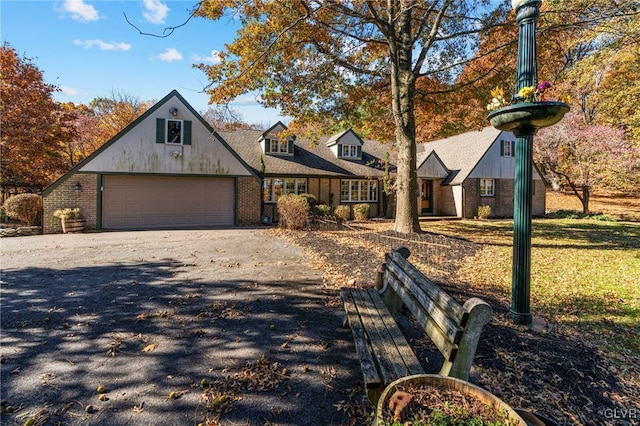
point(336, 138)
point(461, 153)
point(271, 129)
point(136, 122)
point(309, 159)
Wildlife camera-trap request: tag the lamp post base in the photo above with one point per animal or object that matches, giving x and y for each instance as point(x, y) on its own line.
point(521, 318)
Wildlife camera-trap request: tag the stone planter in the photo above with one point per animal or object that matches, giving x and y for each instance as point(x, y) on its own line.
point(445, 383)
point(528, 116)
point(73, 225)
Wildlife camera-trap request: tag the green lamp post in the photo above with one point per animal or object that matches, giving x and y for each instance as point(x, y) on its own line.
point(524, 117)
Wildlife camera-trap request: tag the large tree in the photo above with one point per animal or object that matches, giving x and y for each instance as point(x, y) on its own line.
point(582, 155)
point(326, 62)
point(33, 125)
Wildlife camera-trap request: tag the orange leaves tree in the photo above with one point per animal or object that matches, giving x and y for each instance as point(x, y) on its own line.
point(329, 63)
point(33, 125)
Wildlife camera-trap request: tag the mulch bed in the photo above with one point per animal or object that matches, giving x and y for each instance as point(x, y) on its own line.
point(556, 371)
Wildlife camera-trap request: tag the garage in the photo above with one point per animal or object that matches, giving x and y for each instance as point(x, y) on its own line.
point(167, 202)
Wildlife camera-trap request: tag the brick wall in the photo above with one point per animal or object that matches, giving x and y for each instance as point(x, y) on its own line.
point(502, 204)
point(249, 196)
point(65, 195)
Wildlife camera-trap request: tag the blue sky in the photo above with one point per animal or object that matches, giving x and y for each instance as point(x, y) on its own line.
point(88, 49)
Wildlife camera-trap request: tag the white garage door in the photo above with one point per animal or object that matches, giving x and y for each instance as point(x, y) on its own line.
point(154, 202)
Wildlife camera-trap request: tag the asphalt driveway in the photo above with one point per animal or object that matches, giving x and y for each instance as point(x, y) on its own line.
point(149, 315)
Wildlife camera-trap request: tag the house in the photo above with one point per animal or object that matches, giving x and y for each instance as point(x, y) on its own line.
point(338, 169)
point(458, 174)
point(167, 169)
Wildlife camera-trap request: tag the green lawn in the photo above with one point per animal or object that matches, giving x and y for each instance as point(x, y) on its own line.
point(584, 273)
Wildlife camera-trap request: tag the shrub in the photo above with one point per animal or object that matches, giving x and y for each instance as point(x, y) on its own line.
point(310, 199)
point(68, 213)
point(361, 211)
point(322, 210)
point(24, 207)
point(484, 212)
point(342, 212)
point(293, 210)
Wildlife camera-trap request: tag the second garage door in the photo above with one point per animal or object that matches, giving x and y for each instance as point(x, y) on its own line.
point(166, 202)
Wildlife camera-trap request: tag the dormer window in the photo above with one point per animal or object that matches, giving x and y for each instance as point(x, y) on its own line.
point(349, 151)
point(277, 146)
point(346, 145)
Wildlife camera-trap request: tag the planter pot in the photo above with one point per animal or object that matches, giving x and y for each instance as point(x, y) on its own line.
point(73, 225)
point(445, 383)
point(527, 117)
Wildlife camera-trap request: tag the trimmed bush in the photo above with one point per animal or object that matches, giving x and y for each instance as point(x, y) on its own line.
point(310, 199)
point(484, 212)
point(24, 207)
point(322, 210)
point(361, 211)
point(68, 213)
point(342, 212)
point(293, 210)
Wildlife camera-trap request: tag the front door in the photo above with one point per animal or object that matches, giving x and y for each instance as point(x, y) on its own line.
point(426, 197)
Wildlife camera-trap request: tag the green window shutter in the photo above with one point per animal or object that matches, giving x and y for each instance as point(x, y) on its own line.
point(502, 147)
point(290, 147)
point(186, 132)
point(359, 152)
point(267, 145)
point(160, 130)
point(339, 150)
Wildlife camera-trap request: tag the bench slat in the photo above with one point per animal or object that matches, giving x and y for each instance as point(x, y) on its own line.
point(447, 302)
point(435, 301)
point(371, 377)
point(386, 355)
point(433, 330)
point(411, 362)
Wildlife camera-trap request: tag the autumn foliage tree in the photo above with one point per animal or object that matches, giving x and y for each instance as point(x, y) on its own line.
point(326, 62)
point(583, 155)
point(33, 125)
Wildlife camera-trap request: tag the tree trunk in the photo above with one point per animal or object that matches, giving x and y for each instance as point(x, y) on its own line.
point(403, 86)
point(585, 199)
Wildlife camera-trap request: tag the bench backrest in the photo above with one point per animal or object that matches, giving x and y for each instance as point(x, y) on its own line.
point(455, 329)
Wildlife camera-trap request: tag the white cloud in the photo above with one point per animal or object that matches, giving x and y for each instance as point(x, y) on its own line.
point(170, 55)
point(102, 45)
point(80, 11)
point(213, 58)
point(156, 11)
point(68, 90)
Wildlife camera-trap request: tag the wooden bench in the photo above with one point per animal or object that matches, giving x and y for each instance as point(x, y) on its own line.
point(384, 352)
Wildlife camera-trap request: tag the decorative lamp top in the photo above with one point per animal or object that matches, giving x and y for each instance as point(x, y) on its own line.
point(517, 3)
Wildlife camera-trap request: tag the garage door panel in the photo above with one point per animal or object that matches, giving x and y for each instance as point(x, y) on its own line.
point(152, 202)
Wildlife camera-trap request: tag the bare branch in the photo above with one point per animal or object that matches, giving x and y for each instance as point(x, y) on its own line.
point(168, 30)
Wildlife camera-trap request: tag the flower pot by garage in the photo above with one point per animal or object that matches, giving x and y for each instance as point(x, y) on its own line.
point(442, 383)
point(73, 225)
point(528, 115)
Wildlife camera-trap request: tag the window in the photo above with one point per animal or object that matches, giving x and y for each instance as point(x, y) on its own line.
point(274, 188)
point(349, 151)
point(174, 131)
point(277, 146)
point(508, 148)
point(359, 190)
point(487, 187)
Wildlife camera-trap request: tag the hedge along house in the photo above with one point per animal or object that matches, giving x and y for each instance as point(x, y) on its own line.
point(459, 174)
point(168, 169)
point(338, 169)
